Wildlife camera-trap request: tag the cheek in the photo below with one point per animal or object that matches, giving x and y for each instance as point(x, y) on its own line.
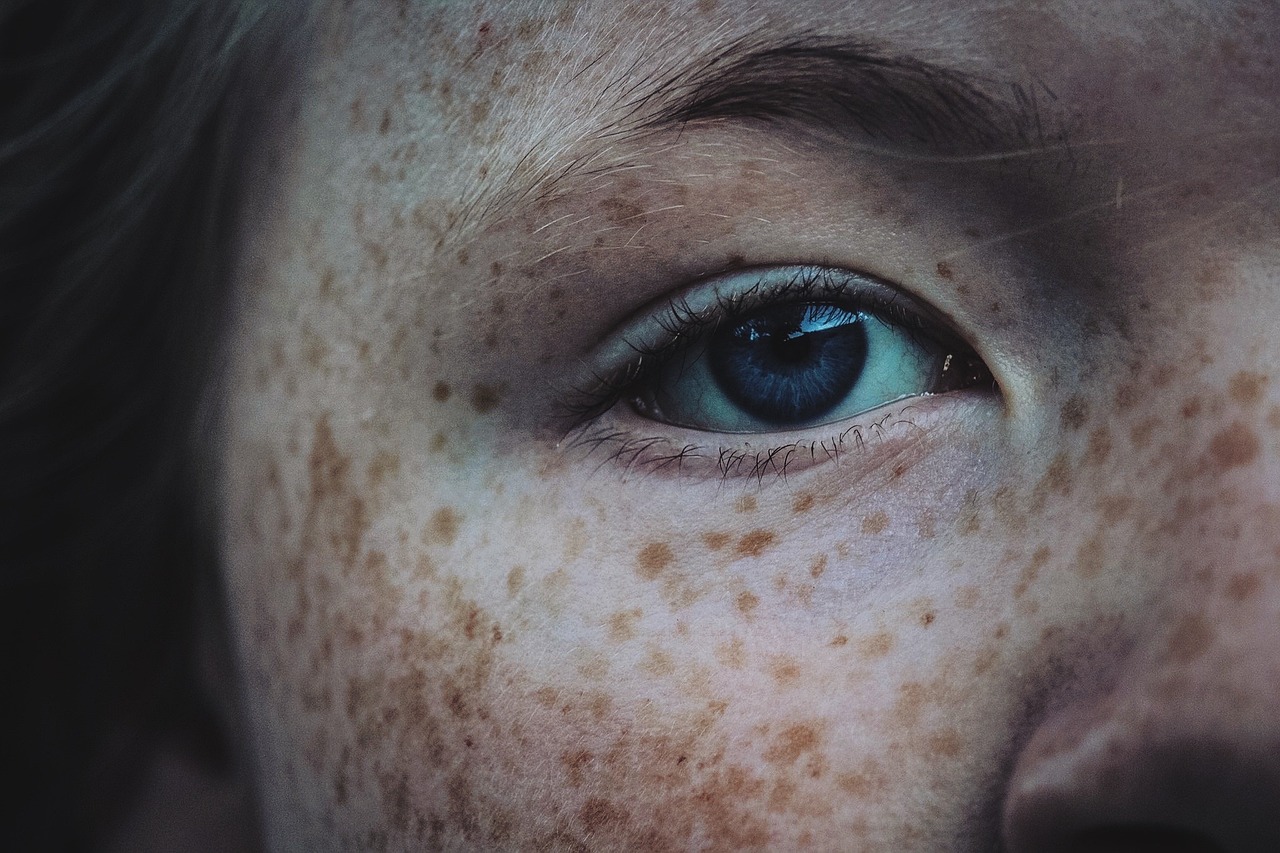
point(500, 661)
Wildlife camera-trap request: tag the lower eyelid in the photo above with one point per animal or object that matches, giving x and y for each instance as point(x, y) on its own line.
point(623, 441)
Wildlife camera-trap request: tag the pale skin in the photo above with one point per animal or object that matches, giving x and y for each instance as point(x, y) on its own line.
point(989, 616)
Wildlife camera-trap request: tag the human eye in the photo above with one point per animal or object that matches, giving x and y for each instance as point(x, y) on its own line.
point(782, 351)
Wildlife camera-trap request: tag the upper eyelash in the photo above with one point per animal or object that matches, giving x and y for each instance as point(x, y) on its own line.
point(682, 324)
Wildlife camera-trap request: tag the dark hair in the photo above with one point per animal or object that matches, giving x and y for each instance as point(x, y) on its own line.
point(120, 124)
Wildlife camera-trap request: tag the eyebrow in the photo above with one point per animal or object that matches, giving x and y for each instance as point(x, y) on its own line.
point(852, 88)
point(864, 95)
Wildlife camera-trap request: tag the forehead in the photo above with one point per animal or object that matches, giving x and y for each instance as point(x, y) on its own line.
point(506, 94)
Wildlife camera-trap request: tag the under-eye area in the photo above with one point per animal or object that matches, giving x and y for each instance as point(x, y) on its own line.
point(765, 371)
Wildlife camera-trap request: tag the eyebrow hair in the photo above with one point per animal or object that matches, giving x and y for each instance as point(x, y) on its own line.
point(868, 98)
point(844, 86)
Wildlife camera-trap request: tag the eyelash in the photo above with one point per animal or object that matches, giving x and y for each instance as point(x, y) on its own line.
point(683, 325)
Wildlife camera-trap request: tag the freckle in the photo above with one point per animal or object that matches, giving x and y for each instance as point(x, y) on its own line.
point(1001, 631)
point(314, 349)
point(1099, 447)
point(1191, 408)
point(442, 529)
point(968, 522)
point(1009, 509)
point(600, 706)
point(574, 761)
point(1246, 387)
point(1140, 435)
point(791, 743)
point(1058, 477)
point(967, 597)
point(383, 465)
point(945, 271)
point(484, 398)
point(595, 668)
point(927, 618)
point(715, 540)
point(818, 566)
point(1031, 571)
point(843, 550)
point(910, 703)
point(1126, 397)
point(875, 646)
point(464, 257)
point(755, 543)
point(1243, 586)
point(875, 523)
point(469, 627)
point(1190, 639)
point(384, 126)
point(622, 624)
point(985, 660)
point(376, 253)
point(515, 580)
point(744, 504)
point(746, 602)
point(863, 783)
point(1234, 446)
point(438, 441)
point(425, 566)
point(653, 559)
point(944, 744)
point(840, 640)
point(599, 816)
point(802, 503)
point(658, 662)
point(732, 654)
point(1075, 411)
point(1114, 507)
point(784, 670)
point(326, 283)
point(1089, 559)
point(1163, 375)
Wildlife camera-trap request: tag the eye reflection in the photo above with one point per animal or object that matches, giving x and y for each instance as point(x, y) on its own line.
point(792, 365)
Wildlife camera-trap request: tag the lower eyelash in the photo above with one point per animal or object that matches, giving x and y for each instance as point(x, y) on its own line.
point(661, 455)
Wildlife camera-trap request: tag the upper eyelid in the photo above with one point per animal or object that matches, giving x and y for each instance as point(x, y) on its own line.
point(628, 357)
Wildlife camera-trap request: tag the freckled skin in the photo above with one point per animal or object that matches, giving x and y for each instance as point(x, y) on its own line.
point(1005, 615)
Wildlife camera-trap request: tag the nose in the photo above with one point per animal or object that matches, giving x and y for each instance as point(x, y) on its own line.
point(1182, 751)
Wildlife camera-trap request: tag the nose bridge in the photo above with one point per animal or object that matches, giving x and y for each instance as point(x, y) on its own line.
point(1210, 656)
point(1189, 735)
point(1221, 495)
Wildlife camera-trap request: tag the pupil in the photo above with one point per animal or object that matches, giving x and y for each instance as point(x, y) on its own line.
point(788, 366)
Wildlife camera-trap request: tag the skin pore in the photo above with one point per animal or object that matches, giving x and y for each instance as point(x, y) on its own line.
point(470, 615)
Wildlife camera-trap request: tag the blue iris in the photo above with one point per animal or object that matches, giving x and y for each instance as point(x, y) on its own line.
point(791, 365)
